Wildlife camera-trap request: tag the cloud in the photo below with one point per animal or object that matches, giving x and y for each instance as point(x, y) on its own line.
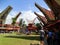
point(10, 16)
point(40, 13)
point(25, 15)
point(28, 15)
point(48, 9)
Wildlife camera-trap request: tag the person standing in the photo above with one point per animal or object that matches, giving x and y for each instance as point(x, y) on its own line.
point(42, 33)
point(46, 37)
point(50, 38)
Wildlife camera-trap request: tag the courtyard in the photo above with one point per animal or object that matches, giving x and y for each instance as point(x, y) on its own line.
point(13, 39)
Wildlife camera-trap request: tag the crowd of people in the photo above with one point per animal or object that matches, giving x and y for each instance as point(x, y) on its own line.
point(49, 37)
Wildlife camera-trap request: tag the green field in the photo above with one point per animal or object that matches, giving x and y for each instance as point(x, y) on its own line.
point(13, 39)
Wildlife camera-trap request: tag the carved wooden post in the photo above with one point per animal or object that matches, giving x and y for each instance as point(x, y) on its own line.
point(48, 14)
point(55, 7)
point(41, 18)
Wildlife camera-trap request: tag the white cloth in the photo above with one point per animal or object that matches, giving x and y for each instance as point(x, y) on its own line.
point(42, 33)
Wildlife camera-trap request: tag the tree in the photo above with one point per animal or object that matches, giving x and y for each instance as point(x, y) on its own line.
point(38, 26)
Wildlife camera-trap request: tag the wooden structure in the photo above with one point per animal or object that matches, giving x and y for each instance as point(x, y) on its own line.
point(31, 26)
point(55, 7)
point(4, 14)
point(52, 16)
point(41, 18)
point(7, 27)
point(15, 18)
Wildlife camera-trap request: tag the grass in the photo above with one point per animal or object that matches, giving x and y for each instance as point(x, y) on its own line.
point(13, 39)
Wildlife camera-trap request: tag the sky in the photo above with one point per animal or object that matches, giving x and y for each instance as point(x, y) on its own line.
point(27, 8)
